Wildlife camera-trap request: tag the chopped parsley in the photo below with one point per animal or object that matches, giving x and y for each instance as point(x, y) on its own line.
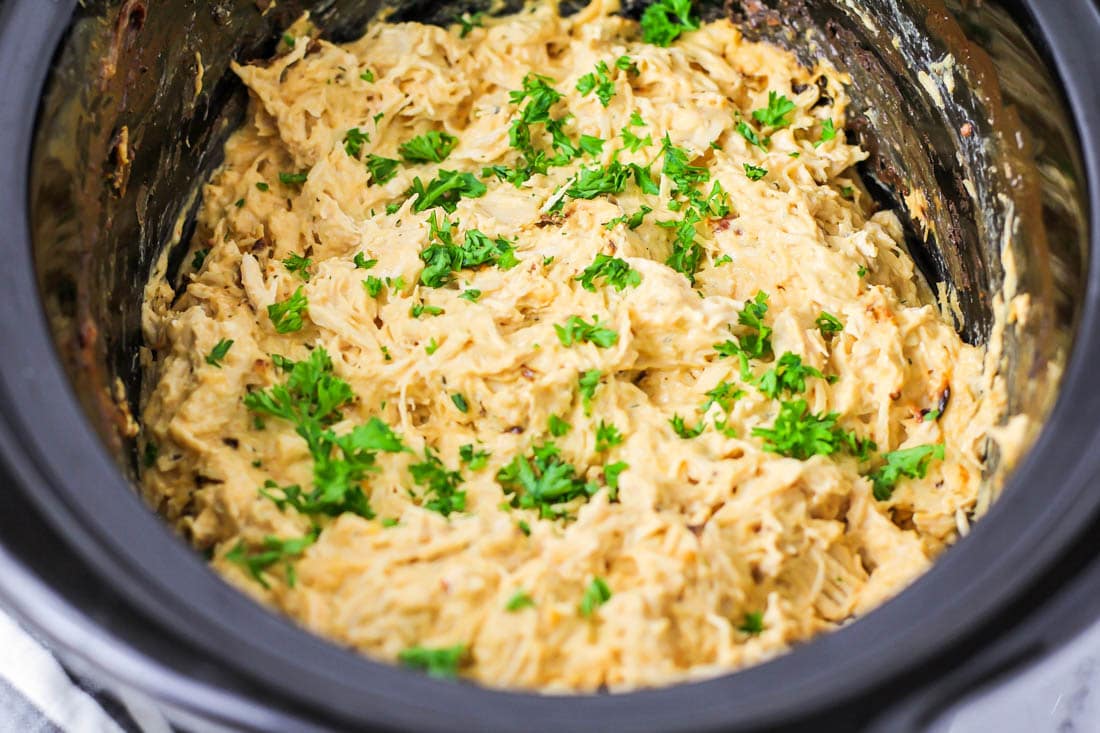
point(540, 97)
point(911, 463)
point(800, 433)
point(600, 81)
point(723, 395)
point(519, 600)
point(214, 358)
point(595, 595)
point(634, 142)
point(469, 22)
point(828, 324)
point(588, 382)
point(149, 455)
point(354, 139)
point(288, 40)
point(611, 477)
point(723, 260)
point(475, 460)
point(262, 186)
point(607, 437)
point(441, 494)
point(828, 132)
point(614, 272)
point(367, 75)
point(632, 222)
point(445, 190)
point(443, 257)
point(757, 344)
point(862, 271)
point(595, 181)
point(576, 330)
point(419, 309)
point(199, 258)
point(788, 375)
point(311, 400)
point(373, 285)
point(292, 179)
point(256, 560)
point(681, 429)
point(381, 169)
point(746, 131)
point(286, 316)
point(362, 263)
point(441, 662)
point(753, 623)
point(591, 145)
point(627, 64)
point(755, 173)
point(543, 481)
point(775, 114)
point(298, 264)
point(460, 402)
point(677, 168)
point(432, 347)
point(431, 147)
point(558, 427)
point(471, 294)
point(665, 20)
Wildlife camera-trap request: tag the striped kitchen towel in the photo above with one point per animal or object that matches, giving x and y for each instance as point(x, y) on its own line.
point(38, 695)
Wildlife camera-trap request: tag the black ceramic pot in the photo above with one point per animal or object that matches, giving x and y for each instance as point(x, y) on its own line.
point(104, 133)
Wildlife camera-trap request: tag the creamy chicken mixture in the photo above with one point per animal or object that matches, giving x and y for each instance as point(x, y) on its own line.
point(557, 353)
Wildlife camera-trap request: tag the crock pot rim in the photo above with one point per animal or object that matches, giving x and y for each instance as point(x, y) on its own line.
point(38, 438)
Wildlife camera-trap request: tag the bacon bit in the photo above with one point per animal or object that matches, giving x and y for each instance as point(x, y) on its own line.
point(724, 223)
point(895, 395)
point(966, 130)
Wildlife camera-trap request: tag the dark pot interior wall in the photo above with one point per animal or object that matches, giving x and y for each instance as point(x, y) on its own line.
point(126, 134)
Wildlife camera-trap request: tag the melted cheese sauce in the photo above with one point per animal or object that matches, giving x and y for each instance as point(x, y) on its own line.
point(717, 553)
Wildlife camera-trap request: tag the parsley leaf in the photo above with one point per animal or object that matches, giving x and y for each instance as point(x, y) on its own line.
point(293, 179)
point(750, 134)
point(441, 663)
point(799, 433)
point(381, 169)
point(469, 22)
point(519, 600)
point(664, 21)
point(592, 182)
point(362, 263)
point(755, 173)
point(471, 294)
point(542, 481)
point(681, 429)
point(373, 285)
point(615, 272)
point(214, 358)
point(607, 437)
point(199, 258)
point(789, 375)
point(632, 222)
point(595, 595)
point(445, 190)
point(431, 147)
point(297, 263)
point(354, 139)
point(600, 81)
point(723, 395)
point(686, 252)
point(828, 132)
point(591, 145)
point(558, 427)
point(588, 383)
point(911, 463)
point(475, 460)
point(611, 477)
point(286, 316)
point(828, 324)
point(257, 560)
point(576, 330)
point(753, 623)
point(460, 402)
point(677, 169)
point(442, 494)
point(419, 309)
point(775, 114)
point(443, 257)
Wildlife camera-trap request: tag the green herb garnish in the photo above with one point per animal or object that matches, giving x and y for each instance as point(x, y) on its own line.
point(595, 595)
point(298, 264)
point(255, 561)
point(614, 272)
point(576, 330)
point(286, 316)
point(441, 494)
point(214, 358)
point(431, 147)
point(911, 463)
point(665, 20)
point(442, 663)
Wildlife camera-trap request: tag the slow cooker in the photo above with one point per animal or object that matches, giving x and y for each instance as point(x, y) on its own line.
point(113, 113)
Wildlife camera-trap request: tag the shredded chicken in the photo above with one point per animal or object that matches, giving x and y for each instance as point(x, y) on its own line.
point(717, 551)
